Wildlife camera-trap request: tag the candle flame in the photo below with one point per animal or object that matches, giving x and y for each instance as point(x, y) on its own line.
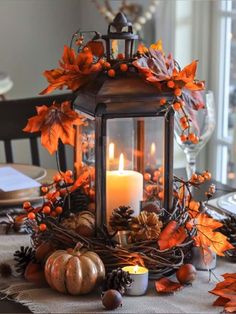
point(136, 267)
point(153, 149)
point(111, 151)
point(121, 163)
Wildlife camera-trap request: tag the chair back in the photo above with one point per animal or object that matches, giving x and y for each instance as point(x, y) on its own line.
point(13, 118)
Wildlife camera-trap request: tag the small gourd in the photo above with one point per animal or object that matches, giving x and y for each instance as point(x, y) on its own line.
point(74, 272)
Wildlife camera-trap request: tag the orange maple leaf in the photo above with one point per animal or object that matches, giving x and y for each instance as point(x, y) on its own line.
point(186, 77)
point(75, 70)
point(165, 285)
point(226, 292)
point(172, 235)
point(55, 122)
point(207, 237)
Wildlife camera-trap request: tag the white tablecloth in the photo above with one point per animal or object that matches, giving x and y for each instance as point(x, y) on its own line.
point(192, 299)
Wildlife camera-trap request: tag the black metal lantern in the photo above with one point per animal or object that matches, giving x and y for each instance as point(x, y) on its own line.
point(128, 121)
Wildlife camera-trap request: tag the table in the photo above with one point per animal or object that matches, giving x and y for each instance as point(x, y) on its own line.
point(197, 298)
point(194, 299)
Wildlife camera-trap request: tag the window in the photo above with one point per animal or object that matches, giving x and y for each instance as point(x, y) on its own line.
point(224, 70)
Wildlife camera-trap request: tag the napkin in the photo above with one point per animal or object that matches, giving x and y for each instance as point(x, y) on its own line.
point(13, 180)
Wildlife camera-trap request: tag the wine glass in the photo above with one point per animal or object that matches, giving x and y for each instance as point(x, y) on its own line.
point(202, 125)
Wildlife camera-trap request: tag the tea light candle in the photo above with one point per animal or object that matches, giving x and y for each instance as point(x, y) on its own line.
point(139, 275)
point(123, 187)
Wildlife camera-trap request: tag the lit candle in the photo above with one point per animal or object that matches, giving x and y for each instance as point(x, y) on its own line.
point(111, 156)
point(139, 275)
point(123, 187)
point(111, 151)
point(153, 149)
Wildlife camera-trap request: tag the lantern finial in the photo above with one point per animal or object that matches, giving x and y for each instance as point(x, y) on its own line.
point(120, 29)
point(120, 21)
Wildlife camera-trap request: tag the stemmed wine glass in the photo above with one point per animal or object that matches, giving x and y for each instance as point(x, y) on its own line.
point(203, 124)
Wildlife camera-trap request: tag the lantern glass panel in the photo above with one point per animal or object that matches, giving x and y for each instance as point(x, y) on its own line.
point(133, 146)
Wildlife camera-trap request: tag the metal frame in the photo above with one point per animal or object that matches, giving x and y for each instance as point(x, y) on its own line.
point(100, 161)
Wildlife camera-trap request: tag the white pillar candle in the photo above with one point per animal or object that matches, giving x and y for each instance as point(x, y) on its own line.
point(123, 187)
point(139, 276)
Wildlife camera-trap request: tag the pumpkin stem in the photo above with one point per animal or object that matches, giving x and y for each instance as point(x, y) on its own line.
point(78, 246)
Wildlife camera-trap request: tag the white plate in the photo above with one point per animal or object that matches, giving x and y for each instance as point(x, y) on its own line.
point(18, 197)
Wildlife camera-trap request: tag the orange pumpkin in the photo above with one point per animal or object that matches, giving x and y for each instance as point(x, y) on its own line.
point(74, 271)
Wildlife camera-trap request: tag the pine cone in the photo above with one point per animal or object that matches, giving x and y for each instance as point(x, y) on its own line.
point(22, 258)
point(152, 207)
point(146, 226)
point(121, 218)
point(77, 201)
point(229, 230)
point(118, 280)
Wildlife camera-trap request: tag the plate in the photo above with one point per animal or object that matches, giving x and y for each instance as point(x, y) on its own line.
point(18, 197)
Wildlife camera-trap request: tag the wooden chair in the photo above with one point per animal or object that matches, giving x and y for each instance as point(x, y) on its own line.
point(13, 118)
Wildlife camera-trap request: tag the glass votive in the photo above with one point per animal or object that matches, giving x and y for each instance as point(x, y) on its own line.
point(139, 275)
point(198, 259)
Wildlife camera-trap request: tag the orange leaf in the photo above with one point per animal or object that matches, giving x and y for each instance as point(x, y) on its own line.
point(96, 47)
point(75, 69)
point(55, 122)
point(226, 292)
point(208, 238)
point(142, 49)
point(165, 285)
point(172, 235)
point(157, 45)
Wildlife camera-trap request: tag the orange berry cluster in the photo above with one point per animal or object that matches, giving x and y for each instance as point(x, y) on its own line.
point(154, 185)
point(54, 195)
point(200, 178)
point(190, 137)
point(177, 91)
point(111, 71)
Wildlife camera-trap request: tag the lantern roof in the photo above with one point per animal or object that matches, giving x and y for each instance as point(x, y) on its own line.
point(127, 95)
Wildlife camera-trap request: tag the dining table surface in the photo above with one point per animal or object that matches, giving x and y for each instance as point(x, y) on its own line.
point(8, 304)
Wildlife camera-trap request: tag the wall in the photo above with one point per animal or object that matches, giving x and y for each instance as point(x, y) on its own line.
point(32, 36)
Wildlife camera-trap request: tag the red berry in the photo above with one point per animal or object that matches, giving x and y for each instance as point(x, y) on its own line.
point(162, 101)
point(178, 92)
point(57, 178)
point(102, 61)
point(42, 227)
point(111, 73)
point(161, 195)
point(192, 137)
point(107, 65)
point(59, 210)
point(46, 210)
point(86, 49)
point(26, 205)
point(147, 176)
point(44, 189)
point(183, 138)
point(31, 216)
point(123, 67)
point(171, 84)
point(177, 106)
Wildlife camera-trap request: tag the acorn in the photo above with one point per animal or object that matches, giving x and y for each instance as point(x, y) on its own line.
point(112, 299)
point(186, 274)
